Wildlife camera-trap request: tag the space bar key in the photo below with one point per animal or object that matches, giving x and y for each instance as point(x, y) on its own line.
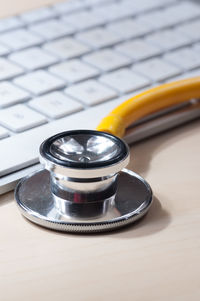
point(20, 151)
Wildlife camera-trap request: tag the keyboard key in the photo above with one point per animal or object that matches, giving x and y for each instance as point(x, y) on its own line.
point(39, 82)
point(10, 23)
point(74, 71)
point(139, 6)
point(34, 137)
point(96, 2)
point(53, 108)
point(107, 60)
point(196, 47)
point(156, 69)
point(20, 118)
point(154, 20)
point(113, 11)
point(171, 16)
point(33, 58)
point(189, 74)
point(168, 39)
point(128, 29)
point(185, 58)
point(85, 20)
point(10, 94)
point(37, 15)
point(3, 132)
point(181, 12)
point(138, 50)
point(192, 73)
point(20, 38)
point(69, 6)
point(90, 92)
point(4, 50)
point(66, 48)
point(55, 105)
point(124, 81)
point(99, 38)
point(192, 30)
point(8, 69)
point(52, 29)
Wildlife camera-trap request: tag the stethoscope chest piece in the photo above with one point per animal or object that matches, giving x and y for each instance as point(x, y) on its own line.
point(84, 186)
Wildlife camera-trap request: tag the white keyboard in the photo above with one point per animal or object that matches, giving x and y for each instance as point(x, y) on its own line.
point(67, 65)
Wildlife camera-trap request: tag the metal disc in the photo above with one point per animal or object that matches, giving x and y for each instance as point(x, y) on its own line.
point(132, 200)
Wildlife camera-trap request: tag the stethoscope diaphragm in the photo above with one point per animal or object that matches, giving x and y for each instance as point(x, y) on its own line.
point(84, 186)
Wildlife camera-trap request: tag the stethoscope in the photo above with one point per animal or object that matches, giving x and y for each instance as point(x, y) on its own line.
point(84, 186)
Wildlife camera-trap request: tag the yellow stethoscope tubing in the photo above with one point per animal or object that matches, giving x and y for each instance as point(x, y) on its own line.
point(148, 102)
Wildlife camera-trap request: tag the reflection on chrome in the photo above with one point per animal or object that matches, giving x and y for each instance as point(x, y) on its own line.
point(84, 148)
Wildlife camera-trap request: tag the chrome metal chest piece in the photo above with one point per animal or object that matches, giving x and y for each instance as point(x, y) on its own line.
point(84, 186)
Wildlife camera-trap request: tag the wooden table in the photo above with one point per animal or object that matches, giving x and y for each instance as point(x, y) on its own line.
point(156, 259)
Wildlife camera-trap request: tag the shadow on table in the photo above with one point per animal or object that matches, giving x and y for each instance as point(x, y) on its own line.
point(154, 221)
point(6, 198)
point(158, 218)
point(143, 152)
